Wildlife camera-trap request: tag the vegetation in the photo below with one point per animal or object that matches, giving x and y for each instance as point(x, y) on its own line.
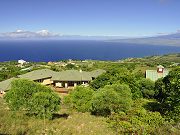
point(111, 99)
point(168, 94)
point(33, 98)
point(64, 122)
point(120, 101)
point(80, 99)
point(146, 86)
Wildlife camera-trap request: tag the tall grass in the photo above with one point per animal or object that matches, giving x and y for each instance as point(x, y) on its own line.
point(64, 123)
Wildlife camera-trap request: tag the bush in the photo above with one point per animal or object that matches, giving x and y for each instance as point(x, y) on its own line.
point(45, 104)
point(80, 98)
point(111, 98)
point(136, 121)
point(124, 93)
point(168, 94)
point(33, 98)
point(147, 87)
point(118, 75)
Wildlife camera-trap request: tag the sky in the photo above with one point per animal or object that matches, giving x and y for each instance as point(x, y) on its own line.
point(91, 17)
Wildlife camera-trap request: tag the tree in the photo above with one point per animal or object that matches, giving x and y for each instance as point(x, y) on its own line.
point(111, 98)
point(100, 81)
point(168, 94)
point(71, 66)
point(32, 97)
point(124, 93)
point(147, 87)
point(45, 104)
point(80, 98)
point(118, 75)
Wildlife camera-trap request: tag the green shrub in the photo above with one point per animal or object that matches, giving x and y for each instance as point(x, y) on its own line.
point(124, 93)
point(147, 87)
point(136, 121)
point(80, 98)
point(111, 98)
point(168, 90)
point(44, 104)
point(31, 97)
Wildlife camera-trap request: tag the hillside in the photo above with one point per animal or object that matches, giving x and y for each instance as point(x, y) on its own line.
point(169, 39)
point(119, 101)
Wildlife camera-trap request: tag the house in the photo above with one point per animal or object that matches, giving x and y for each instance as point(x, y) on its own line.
point(22, 62)
point(156, 74)
point(72, 78)
point(42, 76)
point(5, 85)
point(64, 79)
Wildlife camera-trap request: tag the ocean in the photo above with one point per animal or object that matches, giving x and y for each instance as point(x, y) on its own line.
point(60, 50)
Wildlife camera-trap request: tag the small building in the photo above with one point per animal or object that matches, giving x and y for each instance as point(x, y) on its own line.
point(22, 62)
point(156, 74)
point(5, 85)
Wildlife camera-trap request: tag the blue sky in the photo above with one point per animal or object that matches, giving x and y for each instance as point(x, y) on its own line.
point(91, 17)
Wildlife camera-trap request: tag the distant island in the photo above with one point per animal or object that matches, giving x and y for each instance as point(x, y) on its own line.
point(168, 39)
point(172, 39)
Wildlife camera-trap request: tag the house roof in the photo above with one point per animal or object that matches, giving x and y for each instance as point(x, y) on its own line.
point(6, 85)
point(68, 75)
point(38, 74)
point(75, 75)
point(154, 75)
point(72, 75)
point(160, 66)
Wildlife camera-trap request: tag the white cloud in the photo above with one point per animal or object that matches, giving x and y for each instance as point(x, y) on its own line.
point(178, 31)
point(19, 30)
point(28, 34)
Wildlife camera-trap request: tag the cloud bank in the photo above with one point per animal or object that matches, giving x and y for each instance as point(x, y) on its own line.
point(21, 34)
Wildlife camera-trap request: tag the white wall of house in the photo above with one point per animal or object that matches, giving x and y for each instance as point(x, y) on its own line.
point(21, 62)
point(66, 85)
point(75, 84)
point(47, 81)
point(58, 84)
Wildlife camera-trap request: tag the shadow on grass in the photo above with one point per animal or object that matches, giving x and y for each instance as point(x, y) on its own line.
point(153, 106)
point(56, 116)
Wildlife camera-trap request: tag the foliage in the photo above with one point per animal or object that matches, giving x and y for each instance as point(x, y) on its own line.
point(65, 123)
point(44, 104)
point(124, 93)
point(33, 98)
point(100, 81)
point(168, 94)
point(118, 75)
point(110, 99)
point(80, 98)
point(70, 66)
point(137, 120)
point(9, 71)
point(147, 87)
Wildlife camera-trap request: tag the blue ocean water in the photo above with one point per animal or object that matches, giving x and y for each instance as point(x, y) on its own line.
point(60, 50)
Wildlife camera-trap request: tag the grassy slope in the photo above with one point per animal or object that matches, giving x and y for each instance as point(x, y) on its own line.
point(72, 123)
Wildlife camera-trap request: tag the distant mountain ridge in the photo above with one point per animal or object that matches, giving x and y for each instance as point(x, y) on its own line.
point(45, 34)
point(172, 39)
point(169, 39)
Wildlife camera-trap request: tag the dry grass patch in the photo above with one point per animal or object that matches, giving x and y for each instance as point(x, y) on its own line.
point(64, 123)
